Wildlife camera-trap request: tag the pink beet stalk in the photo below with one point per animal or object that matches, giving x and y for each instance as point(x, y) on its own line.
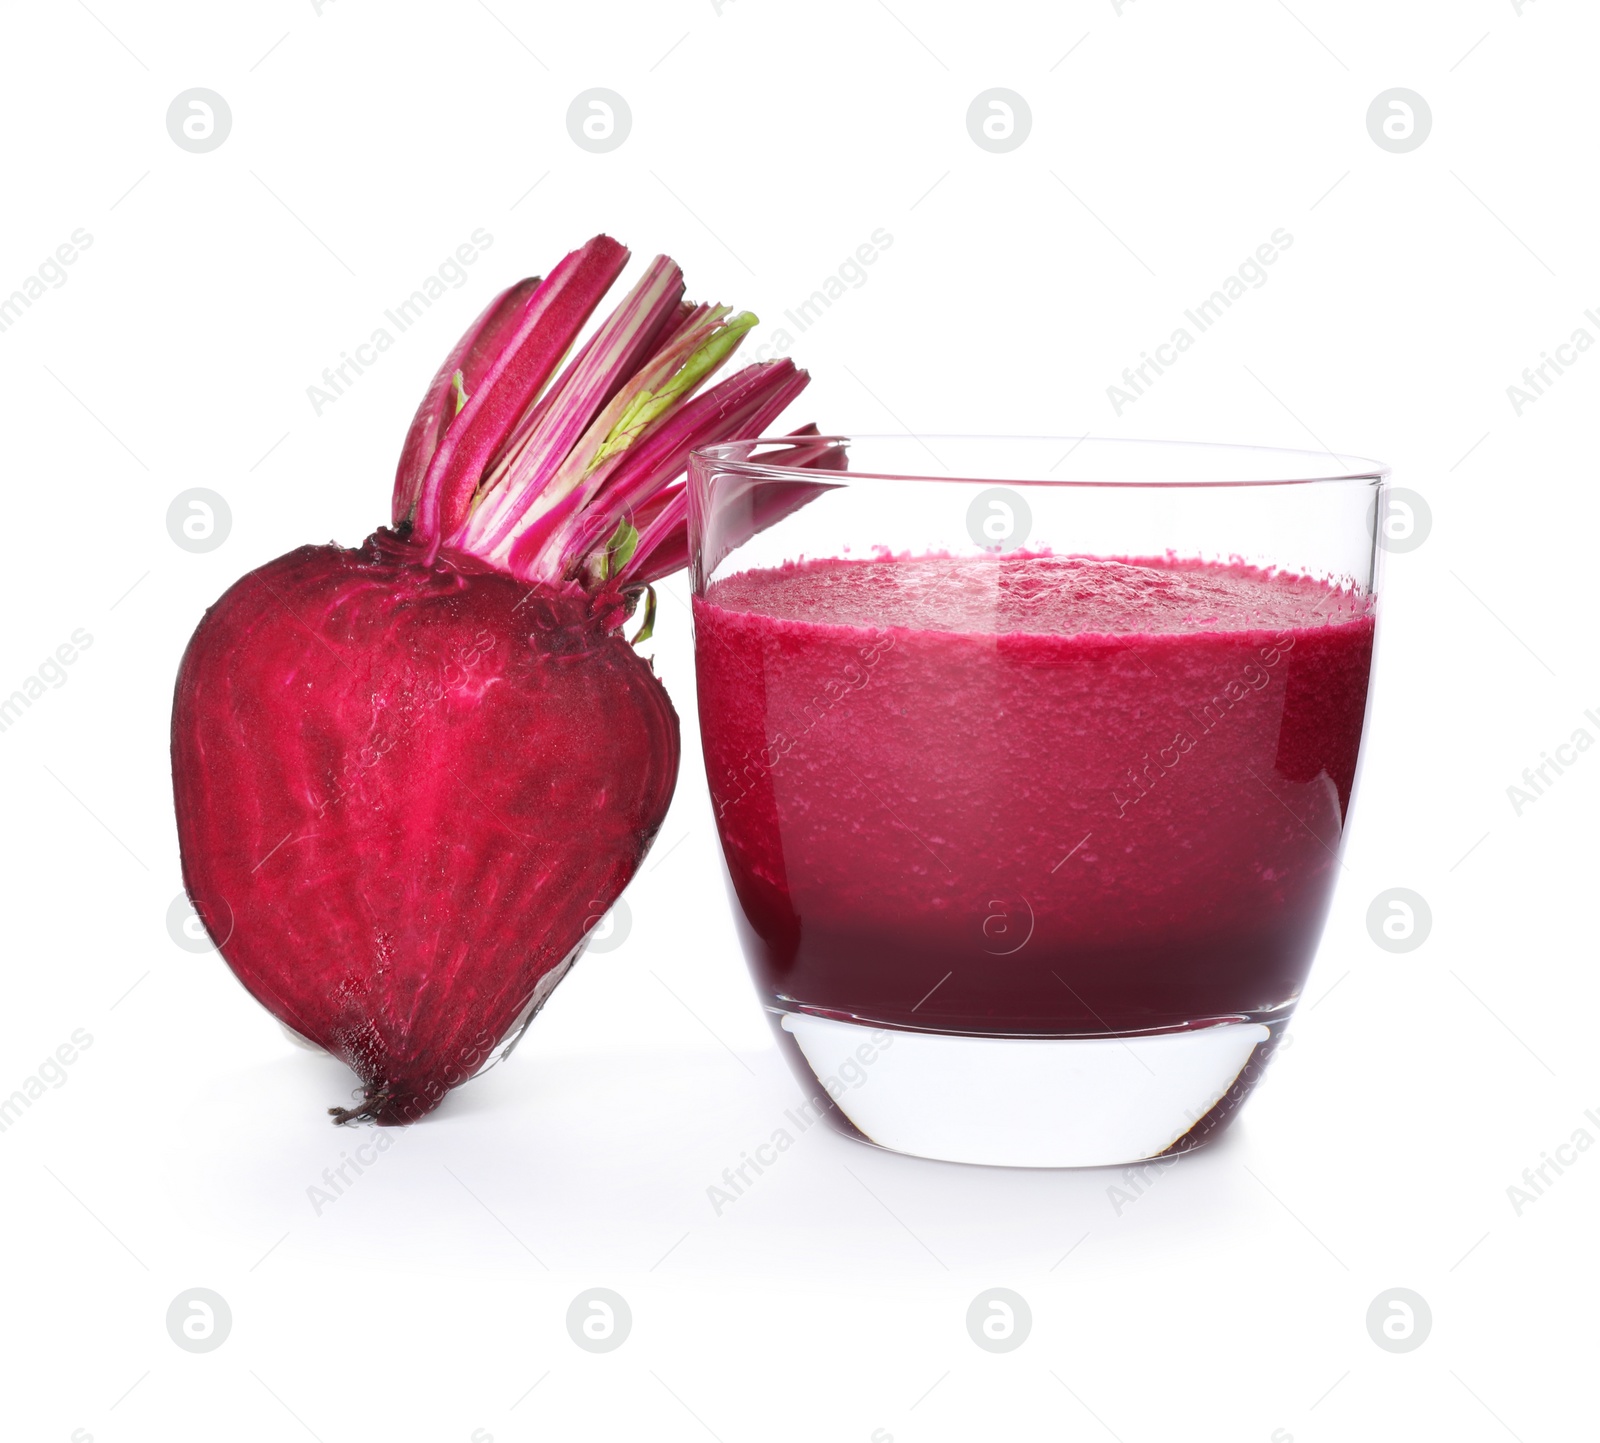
point(743, 405)
point(621, 343)
point(463, 370)
point(528, 344)
point(552, 482)
point(645, 402)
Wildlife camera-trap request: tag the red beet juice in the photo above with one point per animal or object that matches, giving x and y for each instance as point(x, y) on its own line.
point(1030, 795)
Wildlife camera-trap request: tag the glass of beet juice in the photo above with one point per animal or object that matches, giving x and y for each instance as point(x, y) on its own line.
point(1032, 761)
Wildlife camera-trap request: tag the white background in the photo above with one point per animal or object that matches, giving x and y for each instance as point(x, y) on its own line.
point(1228, 1300)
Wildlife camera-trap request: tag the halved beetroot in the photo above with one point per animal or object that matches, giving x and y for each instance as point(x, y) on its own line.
point(410, 778)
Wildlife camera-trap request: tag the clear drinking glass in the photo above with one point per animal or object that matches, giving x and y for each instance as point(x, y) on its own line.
point(1031, 760)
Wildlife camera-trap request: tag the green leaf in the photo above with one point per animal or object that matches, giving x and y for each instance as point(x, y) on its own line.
point(619, 549)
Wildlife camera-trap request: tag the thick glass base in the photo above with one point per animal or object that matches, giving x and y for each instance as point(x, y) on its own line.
point(1028, 1101)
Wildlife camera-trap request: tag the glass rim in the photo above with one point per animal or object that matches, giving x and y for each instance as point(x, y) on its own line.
point(734, 456)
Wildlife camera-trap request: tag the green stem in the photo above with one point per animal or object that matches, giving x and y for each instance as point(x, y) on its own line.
point(647, 406)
